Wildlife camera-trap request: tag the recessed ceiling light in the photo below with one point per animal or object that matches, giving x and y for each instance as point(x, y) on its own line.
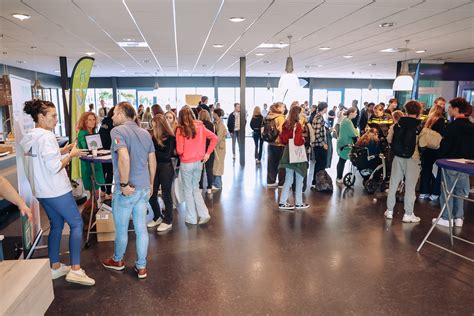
point(237, 19)
point(57, 71)
point(21, 16)
point(347, 56)
point(128, 39)
point(21, 62)
point(390, 50)
point(260, 54)
point(123, 70)
point(89, 53)
point(218, 45)
point(132, 44)
point(421, 51)
point(387, 24)
point(325, 48)
point(273, 46)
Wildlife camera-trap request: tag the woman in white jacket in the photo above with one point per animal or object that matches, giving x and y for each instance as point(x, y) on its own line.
point(44, 166)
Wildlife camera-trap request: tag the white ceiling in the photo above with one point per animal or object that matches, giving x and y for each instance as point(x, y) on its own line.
point(445, 29)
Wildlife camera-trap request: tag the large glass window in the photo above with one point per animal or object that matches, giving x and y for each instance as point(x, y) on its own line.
point(128, 95)
point(370, 95)
point(146, 97)
point(320, 95)
point(334, 98)
point(350, 95)
point(208, 92)
point(385, 95)
point(90, 99)
point(263, 95)
point(166, 96)
point(181, 95)
point(227, 99)
point(106, 95)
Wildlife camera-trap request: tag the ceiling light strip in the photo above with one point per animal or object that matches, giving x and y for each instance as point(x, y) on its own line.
point(143, 36)
point(209, 34)
point(175, 36)
point(243, 33)
point(68, 31)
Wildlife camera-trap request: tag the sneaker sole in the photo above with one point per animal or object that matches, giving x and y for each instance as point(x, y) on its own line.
point(162, 231)
point(205, 221)
point(54, 277)
point(301, 207)
point(91, 283)
point(410, 221)
point(113, 267)
point(143, 276)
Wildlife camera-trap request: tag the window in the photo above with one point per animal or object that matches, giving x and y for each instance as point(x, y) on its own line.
point(350, 95)
point(370, 95)
point(208, 92)
point(320, 95)
point(181, 95)
point(334, 98)
point(385, 95)
point(146, 98)
point(263, 95)
point(128, 95)
point(90, 98)
point(106, 95)
point(166, 96)
point(227, 99)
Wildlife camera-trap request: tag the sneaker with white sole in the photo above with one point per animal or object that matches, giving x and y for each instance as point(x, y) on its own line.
point(388, 214)
point(340, 181)
point(79, 277)
point(59, 272)
point(443, 222)
point(301, 206)
point(280, 187)
point(272, 185)
point(423, 196)
point(434, 197)
point(214, 188)
point(410, 218)
point(458, 222)
point(286, 206)
point(153, 223)
point(204, 220)
point(164, 227)
point(209, 191)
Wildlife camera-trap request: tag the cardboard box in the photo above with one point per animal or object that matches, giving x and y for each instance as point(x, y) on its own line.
point(105, 226)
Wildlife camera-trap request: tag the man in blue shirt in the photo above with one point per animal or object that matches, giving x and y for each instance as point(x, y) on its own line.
point(134, 162)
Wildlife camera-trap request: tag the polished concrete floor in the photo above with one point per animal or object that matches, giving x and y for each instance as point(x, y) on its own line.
point(338, 257)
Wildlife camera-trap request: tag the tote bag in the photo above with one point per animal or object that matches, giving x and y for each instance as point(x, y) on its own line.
point(296, 153)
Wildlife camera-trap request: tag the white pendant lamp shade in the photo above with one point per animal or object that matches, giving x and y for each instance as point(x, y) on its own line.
point(403, 83)
point(289, 81)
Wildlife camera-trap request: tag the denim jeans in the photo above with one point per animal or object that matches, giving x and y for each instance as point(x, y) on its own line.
point(60, 209)
point(190, 174)
point(410, 170)
point(462, 189)
point(235, 137)
point(122, 207)
point(218, 182)
point(286, 187)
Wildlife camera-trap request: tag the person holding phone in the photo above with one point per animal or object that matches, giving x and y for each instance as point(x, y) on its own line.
point(45, 166)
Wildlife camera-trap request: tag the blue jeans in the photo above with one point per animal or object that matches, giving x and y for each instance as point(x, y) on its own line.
point(122, 207)
point(462, 189)
point(218, 182)
point(190, 174)
point(60, 209)
point(288, 183)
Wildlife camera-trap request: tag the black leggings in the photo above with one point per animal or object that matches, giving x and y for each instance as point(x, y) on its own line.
point(108, 170)
point(321, 156)
point(210, 176)
point(164, 176)
point(340, 167)
point(257, 138)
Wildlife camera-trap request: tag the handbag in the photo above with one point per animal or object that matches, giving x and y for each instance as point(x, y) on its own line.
point(296, 153)
point(429, 139)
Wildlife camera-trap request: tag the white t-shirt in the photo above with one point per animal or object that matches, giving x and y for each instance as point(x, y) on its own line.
point(237, 121)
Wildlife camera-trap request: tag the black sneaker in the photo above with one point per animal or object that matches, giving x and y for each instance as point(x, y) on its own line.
point(286, 206)
point(301, 206)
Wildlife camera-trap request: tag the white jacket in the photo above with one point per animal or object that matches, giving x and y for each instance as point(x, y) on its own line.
point(42, 163)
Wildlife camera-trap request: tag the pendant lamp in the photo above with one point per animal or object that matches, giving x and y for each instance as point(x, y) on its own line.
point(36, 88)
point(404, 80)
point(157, 85)
point(289, 80)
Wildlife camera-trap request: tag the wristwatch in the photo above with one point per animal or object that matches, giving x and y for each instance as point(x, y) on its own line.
point(123, 185)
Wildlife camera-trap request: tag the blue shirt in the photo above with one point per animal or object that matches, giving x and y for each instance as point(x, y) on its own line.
point(139, 145)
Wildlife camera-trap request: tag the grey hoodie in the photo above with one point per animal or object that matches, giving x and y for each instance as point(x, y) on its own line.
point(42, 164)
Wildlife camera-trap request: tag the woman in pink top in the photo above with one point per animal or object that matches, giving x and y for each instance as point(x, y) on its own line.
point(191, 136)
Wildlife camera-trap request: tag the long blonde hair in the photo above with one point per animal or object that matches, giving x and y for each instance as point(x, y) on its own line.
point(256, 111)
point(161, 129)
point(204, 116)
point(435, 114)
point(186, 122)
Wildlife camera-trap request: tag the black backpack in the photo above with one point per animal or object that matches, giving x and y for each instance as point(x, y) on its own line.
point(270, 131)
point(404, 141)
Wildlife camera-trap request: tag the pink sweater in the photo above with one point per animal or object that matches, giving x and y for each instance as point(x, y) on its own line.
point(194, 149)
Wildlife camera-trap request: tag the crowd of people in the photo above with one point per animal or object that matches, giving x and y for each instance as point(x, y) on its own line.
point(144, 161)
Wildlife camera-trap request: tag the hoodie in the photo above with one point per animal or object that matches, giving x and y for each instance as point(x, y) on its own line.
point(458, 141)
point(279, 121)
point(42, 162)
point(410, 123)
point(193, 149)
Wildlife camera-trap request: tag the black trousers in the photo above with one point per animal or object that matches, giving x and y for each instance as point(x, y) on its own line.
point(257, 138)
point(429, 184)
point(321, 156)
point(108, 170)
point(164, 176)
point(210, 176)
point(274, 156)
point(340, 167)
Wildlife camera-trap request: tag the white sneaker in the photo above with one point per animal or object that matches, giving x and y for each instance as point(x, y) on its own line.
point(209, 191)
point(340, 181)
point(203, 221)
point(458, 222)
point(272, 185)
point(410, 218)
point(443, 222)
point(301, 206)
point(153, 223)
point(423, 196)
point(434, 197)
point(164, 227)
point(388, 214)
point(280, 187)
point(286, 206)
point(79, 277)
point(59, 272)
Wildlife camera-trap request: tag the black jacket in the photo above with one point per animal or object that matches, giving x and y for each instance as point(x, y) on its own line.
point(164, 154)
point(203, 106)
point(256, 124)
point(105, 128)
point(210, 127)
point(458, 140)
point(363, 119)
point(231, 123)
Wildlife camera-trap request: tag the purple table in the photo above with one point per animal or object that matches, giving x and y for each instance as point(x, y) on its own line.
point(448, 164)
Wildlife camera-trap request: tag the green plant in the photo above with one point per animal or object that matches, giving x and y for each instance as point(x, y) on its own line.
point(105, 95)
